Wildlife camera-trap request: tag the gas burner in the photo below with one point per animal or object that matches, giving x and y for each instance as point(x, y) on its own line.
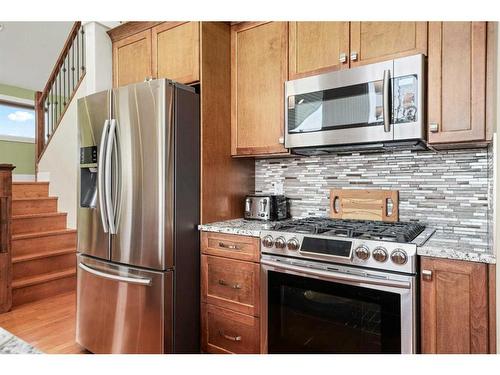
point(402, 232)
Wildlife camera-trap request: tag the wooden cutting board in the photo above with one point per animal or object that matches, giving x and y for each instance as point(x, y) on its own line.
point(372, 204)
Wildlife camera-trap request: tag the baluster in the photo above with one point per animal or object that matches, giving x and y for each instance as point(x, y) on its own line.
point(83, 51)
point(64, 84)
point(47, 118)
point(52, 91)
point(73, 66)
point(77, 56)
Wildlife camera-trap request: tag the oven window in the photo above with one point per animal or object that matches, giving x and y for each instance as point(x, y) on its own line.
point(351, 106)
point(313, 316)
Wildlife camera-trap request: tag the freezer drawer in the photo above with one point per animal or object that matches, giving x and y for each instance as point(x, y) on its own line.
point(122, 309)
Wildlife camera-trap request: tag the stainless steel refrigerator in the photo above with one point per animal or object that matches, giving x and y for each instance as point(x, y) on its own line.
point(138, 245)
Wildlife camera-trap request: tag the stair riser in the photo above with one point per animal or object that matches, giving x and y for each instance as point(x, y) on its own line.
point(34, 207)
point(45, 243)
point(43, 290)
point(43, 265)
point(38, 224)
point(30, 190)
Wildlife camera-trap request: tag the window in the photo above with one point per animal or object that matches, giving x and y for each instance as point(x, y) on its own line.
point(17, 122)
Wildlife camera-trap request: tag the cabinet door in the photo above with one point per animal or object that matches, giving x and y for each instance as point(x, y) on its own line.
point(176, 51)
point(378, 41)
point(457, 82)
point(316, 47)
point(259, 69)
point(231, 284)
point(227, 332)
point(132, 59)
point(454, 306)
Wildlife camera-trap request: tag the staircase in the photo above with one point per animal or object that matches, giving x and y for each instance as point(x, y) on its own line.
point(43, 249)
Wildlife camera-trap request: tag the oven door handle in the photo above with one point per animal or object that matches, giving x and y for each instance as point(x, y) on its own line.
point(336, 276)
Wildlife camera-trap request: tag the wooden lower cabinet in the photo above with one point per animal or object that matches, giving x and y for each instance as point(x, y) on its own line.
point(230, 283)
point(226, 331)
point(454, 306)
point(230, 293)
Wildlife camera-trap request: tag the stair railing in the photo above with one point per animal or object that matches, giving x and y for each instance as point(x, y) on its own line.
point(63, 82)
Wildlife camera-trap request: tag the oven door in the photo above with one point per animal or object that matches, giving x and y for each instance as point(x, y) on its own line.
point(335, 310)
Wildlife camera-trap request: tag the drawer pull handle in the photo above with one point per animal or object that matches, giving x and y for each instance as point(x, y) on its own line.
point(427, 275)
point(226, 246)
point(228, 337)
point(234, 286)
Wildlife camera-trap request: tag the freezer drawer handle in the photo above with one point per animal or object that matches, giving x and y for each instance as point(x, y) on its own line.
point(228, 337)
point(131, 280)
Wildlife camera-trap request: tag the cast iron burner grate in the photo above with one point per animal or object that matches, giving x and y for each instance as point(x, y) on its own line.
point(402, 232)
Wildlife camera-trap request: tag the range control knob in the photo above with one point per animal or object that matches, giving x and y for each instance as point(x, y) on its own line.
point(362, 252)
point(267, 241)
point(293, 244)
point(280, 243)
point(380, 254)
point(399, 256)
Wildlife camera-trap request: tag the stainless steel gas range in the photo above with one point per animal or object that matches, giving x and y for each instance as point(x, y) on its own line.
point(340, 286)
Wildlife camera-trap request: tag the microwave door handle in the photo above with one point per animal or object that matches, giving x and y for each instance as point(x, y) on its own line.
point(387, 100)
point(100, 176)
point(109, 201)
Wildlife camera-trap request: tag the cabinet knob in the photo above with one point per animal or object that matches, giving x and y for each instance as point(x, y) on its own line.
point(427, 275)
point(342, 58)
point(433, 127)
point(354, 56)
point(281, 140)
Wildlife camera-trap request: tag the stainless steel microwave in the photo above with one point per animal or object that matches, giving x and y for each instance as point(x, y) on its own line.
point(373, 106)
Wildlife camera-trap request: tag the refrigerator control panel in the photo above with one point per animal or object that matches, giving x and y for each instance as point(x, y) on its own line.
point(88, 155)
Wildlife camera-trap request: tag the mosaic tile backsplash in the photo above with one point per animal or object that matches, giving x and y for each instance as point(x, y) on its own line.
point(447, 190)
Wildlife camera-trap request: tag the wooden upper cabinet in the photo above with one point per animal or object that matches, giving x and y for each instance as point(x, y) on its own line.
point(317, 47)
point(454, 306)
point(259, 69)
point(132, 59)
point(176, 51)
point(457, 82)
point(378, 41)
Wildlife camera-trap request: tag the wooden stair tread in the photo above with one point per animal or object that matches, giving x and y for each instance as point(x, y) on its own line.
point(43, 214)
point(39, 279)
point(42, 234)
point(22, 199)
point(42, 254)
point(30, 182)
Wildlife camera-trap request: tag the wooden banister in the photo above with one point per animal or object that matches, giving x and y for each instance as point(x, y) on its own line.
point(5, 237)
point(64, 80)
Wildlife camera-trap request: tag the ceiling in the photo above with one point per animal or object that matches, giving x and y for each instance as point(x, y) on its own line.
point(29, 50)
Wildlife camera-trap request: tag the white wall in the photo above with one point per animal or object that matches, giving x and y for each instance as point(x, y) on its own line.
point(59, 163)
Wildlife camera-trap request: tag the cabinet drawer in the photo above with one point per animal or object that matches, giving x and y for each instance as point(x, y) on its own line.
point(225, 331)
point(231, 246)
point(232, 284)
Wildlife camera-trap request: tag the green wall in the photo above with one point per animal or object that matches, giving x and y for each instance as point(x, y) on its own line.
point(21, 154)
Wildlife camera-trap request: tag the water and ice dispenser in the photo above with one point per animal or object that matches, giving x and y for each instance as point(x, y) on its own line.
point(88, 177)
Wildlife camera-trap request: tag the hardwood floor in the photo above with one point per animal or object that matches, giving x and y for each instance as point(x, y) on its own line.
point(48, 324)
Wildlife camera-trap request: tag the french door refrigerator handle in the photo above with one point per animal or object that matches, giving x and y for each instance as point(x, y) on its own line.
point(130, 280)
point(101, 174)
point(387, 101)
point(109, 203)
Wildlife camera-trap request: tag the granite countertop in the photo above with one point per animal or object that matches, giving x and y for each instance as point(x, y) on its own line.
point(439, 245)
point(457, 246)
point(238, 226)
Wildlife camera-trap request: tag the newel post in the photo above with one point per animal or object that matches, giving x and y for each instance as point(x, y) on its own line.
point(5, 237)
